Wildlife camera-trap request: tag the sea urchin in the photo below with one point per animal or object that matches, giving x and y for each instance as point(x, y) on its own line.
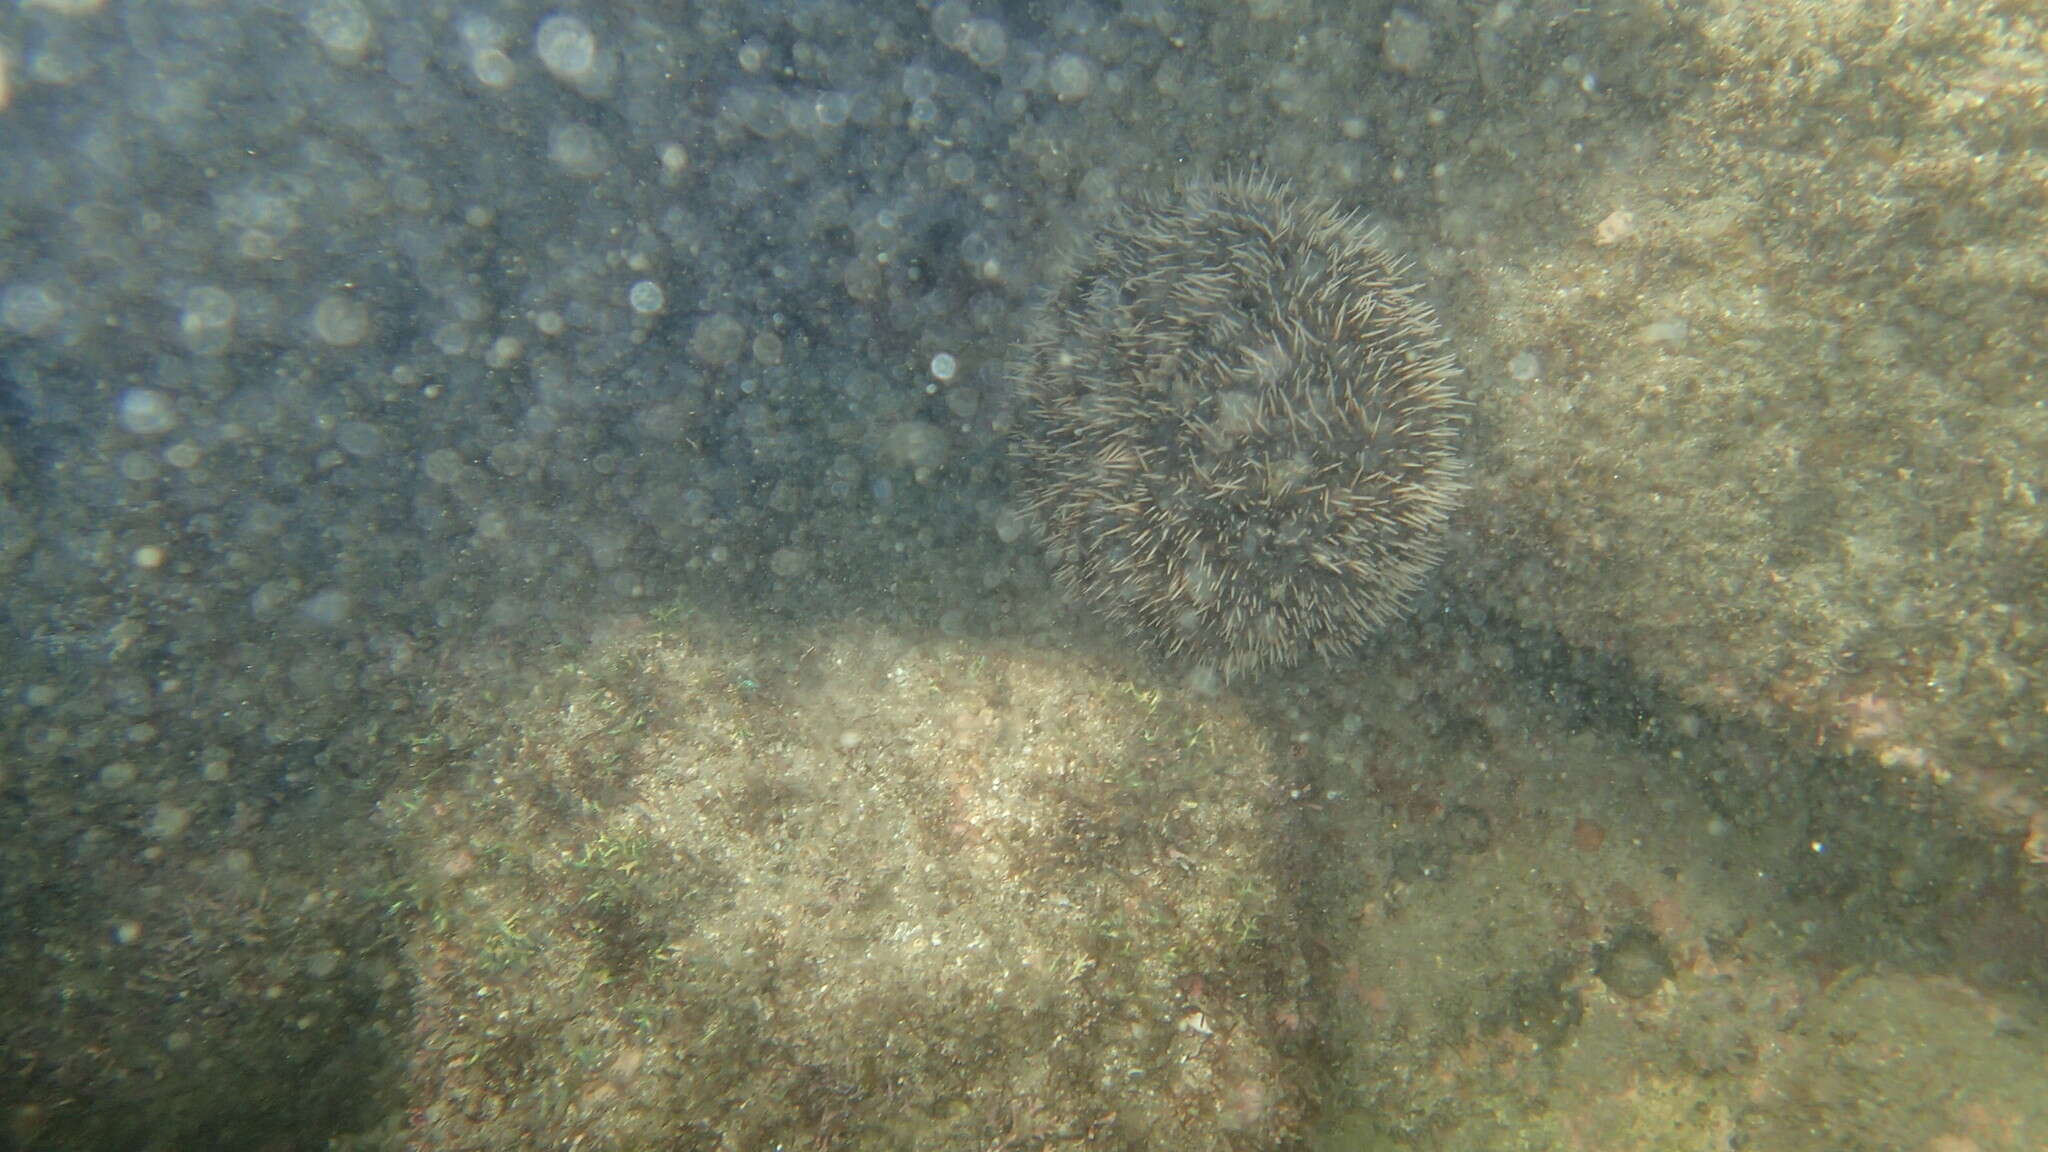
point(1237, 429)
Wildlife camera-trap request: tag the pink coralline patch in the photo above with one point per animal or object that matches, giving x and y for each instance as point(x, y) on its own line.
point(1880, 725)
point(1871, 717)
point(1876, 723)
point(1619, 225)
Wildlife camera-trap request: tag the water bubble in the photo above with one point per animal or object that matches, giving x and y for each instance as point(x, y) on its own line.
point(169, 821)
point(492, 68)
point(646, 297)
point(443, 466)
point(208, 321)
point(359, 439)
point(1669, 332)
point(341, 27)
point(717, 339)
point(831, 109)
point(944, 366)
point(30, 309)
point(919, 82)
point(789, 563)
point(326, 609)
point(576, 149)
point(566, 48)
point(949, 22)
point(67, 7)
point(341, 321)
point(147, 412)
point(1070, 77)
point(985, 42)
point(1405, 43)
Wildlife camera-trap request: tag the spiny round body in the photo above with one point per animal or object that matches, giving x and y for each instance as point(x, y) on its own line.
point(1237, 430)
